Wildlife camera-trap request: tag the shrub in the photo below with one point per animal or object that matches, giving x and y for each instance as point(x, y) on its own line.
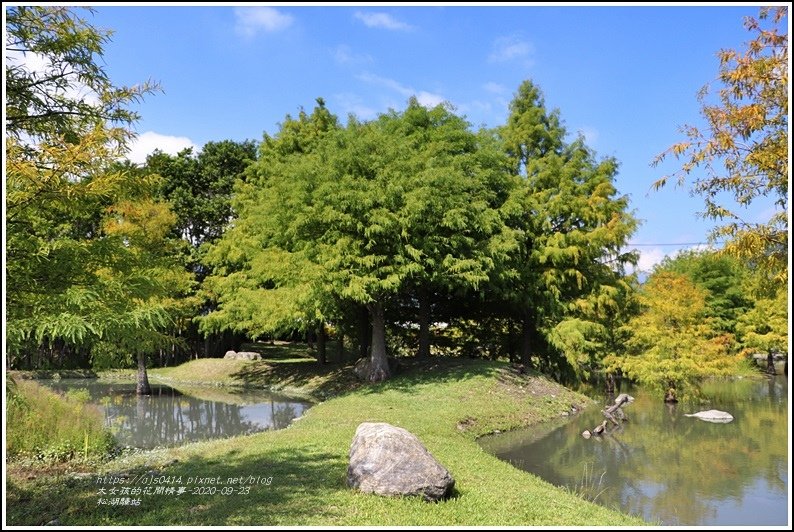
point(51, 427)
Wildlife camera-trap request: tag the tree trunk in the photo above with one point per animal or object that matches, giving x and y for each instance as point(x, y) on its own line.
point(321, 343)
point(610, 384)
point(364, 333)
point(424, 324)
point(143, 387)
point(379, 363)
point(670, 395)
point(526, 341)
point(770, 364)
point(340, 348)
point(310, 339)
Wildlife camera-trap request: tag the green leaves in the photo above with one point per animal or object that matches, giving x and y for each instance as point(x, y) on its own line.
point(673, 343)
point(87, 255)
point(365, 213)
point(744, 150)
point(569, 225)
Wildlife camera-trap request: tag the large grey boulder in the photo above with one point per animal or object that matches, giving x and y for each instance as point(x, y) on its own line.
point(389, 460)
point(242, 355)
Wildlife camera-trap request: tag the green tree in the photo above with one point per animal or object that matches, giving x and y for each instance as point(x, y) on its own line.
point(743, 149)
point(673, 345)
point(262, 279)
point(765, 326)
point(723, 277)
point(199, 186)
point(360, 214)
point(86, 261)
point(70, 93)
point(453, 182)
point(564, 279)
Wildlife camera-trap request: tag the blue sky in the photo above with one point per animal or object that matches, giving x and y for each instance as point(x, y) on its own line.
point(626, 77)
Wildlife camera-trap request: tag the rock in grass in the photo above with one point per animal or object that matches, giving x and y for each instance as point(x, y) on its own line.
point(389, 460)
point(242, 355)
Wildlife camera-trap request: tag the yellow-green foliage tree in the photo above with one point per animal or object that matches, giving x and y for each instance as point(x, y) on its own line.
point(673, 345)
point(89, 268)
point(743, 148)
point(765, 327)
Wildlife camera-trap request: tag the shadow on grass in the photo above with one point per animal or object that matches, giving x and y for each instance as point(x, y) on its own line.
point(413, 372)
point(323, 380)
point(279, 351)
point(338, 378)
point(233, 490)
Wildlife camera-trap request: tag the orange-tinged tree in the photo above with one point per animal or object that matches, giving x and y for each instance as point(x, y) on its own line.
point(743, 148)
point(673, 345)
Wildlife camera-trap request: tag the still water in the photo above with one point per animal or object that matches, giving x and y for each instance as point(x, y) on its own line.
point(668, 468)
point(171, 417)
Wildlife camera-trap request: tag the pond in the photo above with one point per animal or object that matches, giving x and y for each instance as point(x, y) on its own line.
point(172, 416)
point(668, 468)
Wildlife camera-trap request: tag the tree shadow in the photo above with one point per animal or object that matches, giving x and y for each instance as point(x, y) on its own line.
point(282, 486)
point(413, 372)
point(325, 380)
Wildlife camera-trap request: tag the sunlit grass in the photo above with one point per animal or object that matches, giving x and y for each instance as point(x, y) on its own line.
point(447, 404)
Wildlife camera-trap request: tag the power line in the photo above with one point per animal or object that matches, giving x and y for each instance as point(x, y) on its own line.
point(676, 244)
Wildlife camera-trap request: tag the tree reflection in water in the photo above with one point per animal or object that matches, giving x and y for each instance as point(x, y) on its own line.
point(670, 468)
point(169, 418)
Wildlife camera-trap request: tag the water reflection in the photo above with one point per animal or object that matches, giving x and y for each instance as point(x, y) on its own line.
point(670, 468)
point(170, 417)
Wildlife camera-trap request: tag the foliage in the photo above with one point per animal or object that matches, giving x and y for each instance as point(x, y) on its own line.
point(565, 279)
point(743, 149)
point(50, 427)
point(87, 259)
point(199, 186)
point(330, 216)
point(263, 281)
point(55, 87)
point(724, 279)
point(672, 344)
point(765, 326)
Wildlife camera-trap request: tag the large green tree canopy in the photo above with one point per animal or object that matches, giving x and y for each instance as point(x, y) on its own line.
point(359, 214)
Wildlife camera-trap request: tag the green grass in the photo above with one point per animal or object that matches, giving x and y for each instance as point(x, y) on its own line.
point(447, 404)
point(285, 368)
point(49, 427)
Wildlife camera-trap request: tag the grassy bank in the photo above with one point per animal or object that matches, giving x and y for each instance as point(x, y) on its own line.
point(49, 427)
point(446, 404)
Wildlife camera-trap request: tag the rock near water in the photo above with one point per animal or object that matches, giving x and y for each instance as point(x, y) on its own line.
point(714, 416)
point(389, 460)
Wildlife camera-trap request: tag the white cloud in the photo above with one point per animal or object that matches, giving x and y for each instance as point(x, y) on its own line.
point(40, 67)
point(351, 103)
point(146, 143)
point(382, 20)
point(427, 99)
point(649, 258)
point(494, 88)
point(344, 55)
point(510, 49)
point(252, 20)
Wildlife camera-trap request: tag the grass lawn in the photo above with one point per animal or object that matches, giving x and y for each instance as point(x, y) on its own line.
point(446, 403)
